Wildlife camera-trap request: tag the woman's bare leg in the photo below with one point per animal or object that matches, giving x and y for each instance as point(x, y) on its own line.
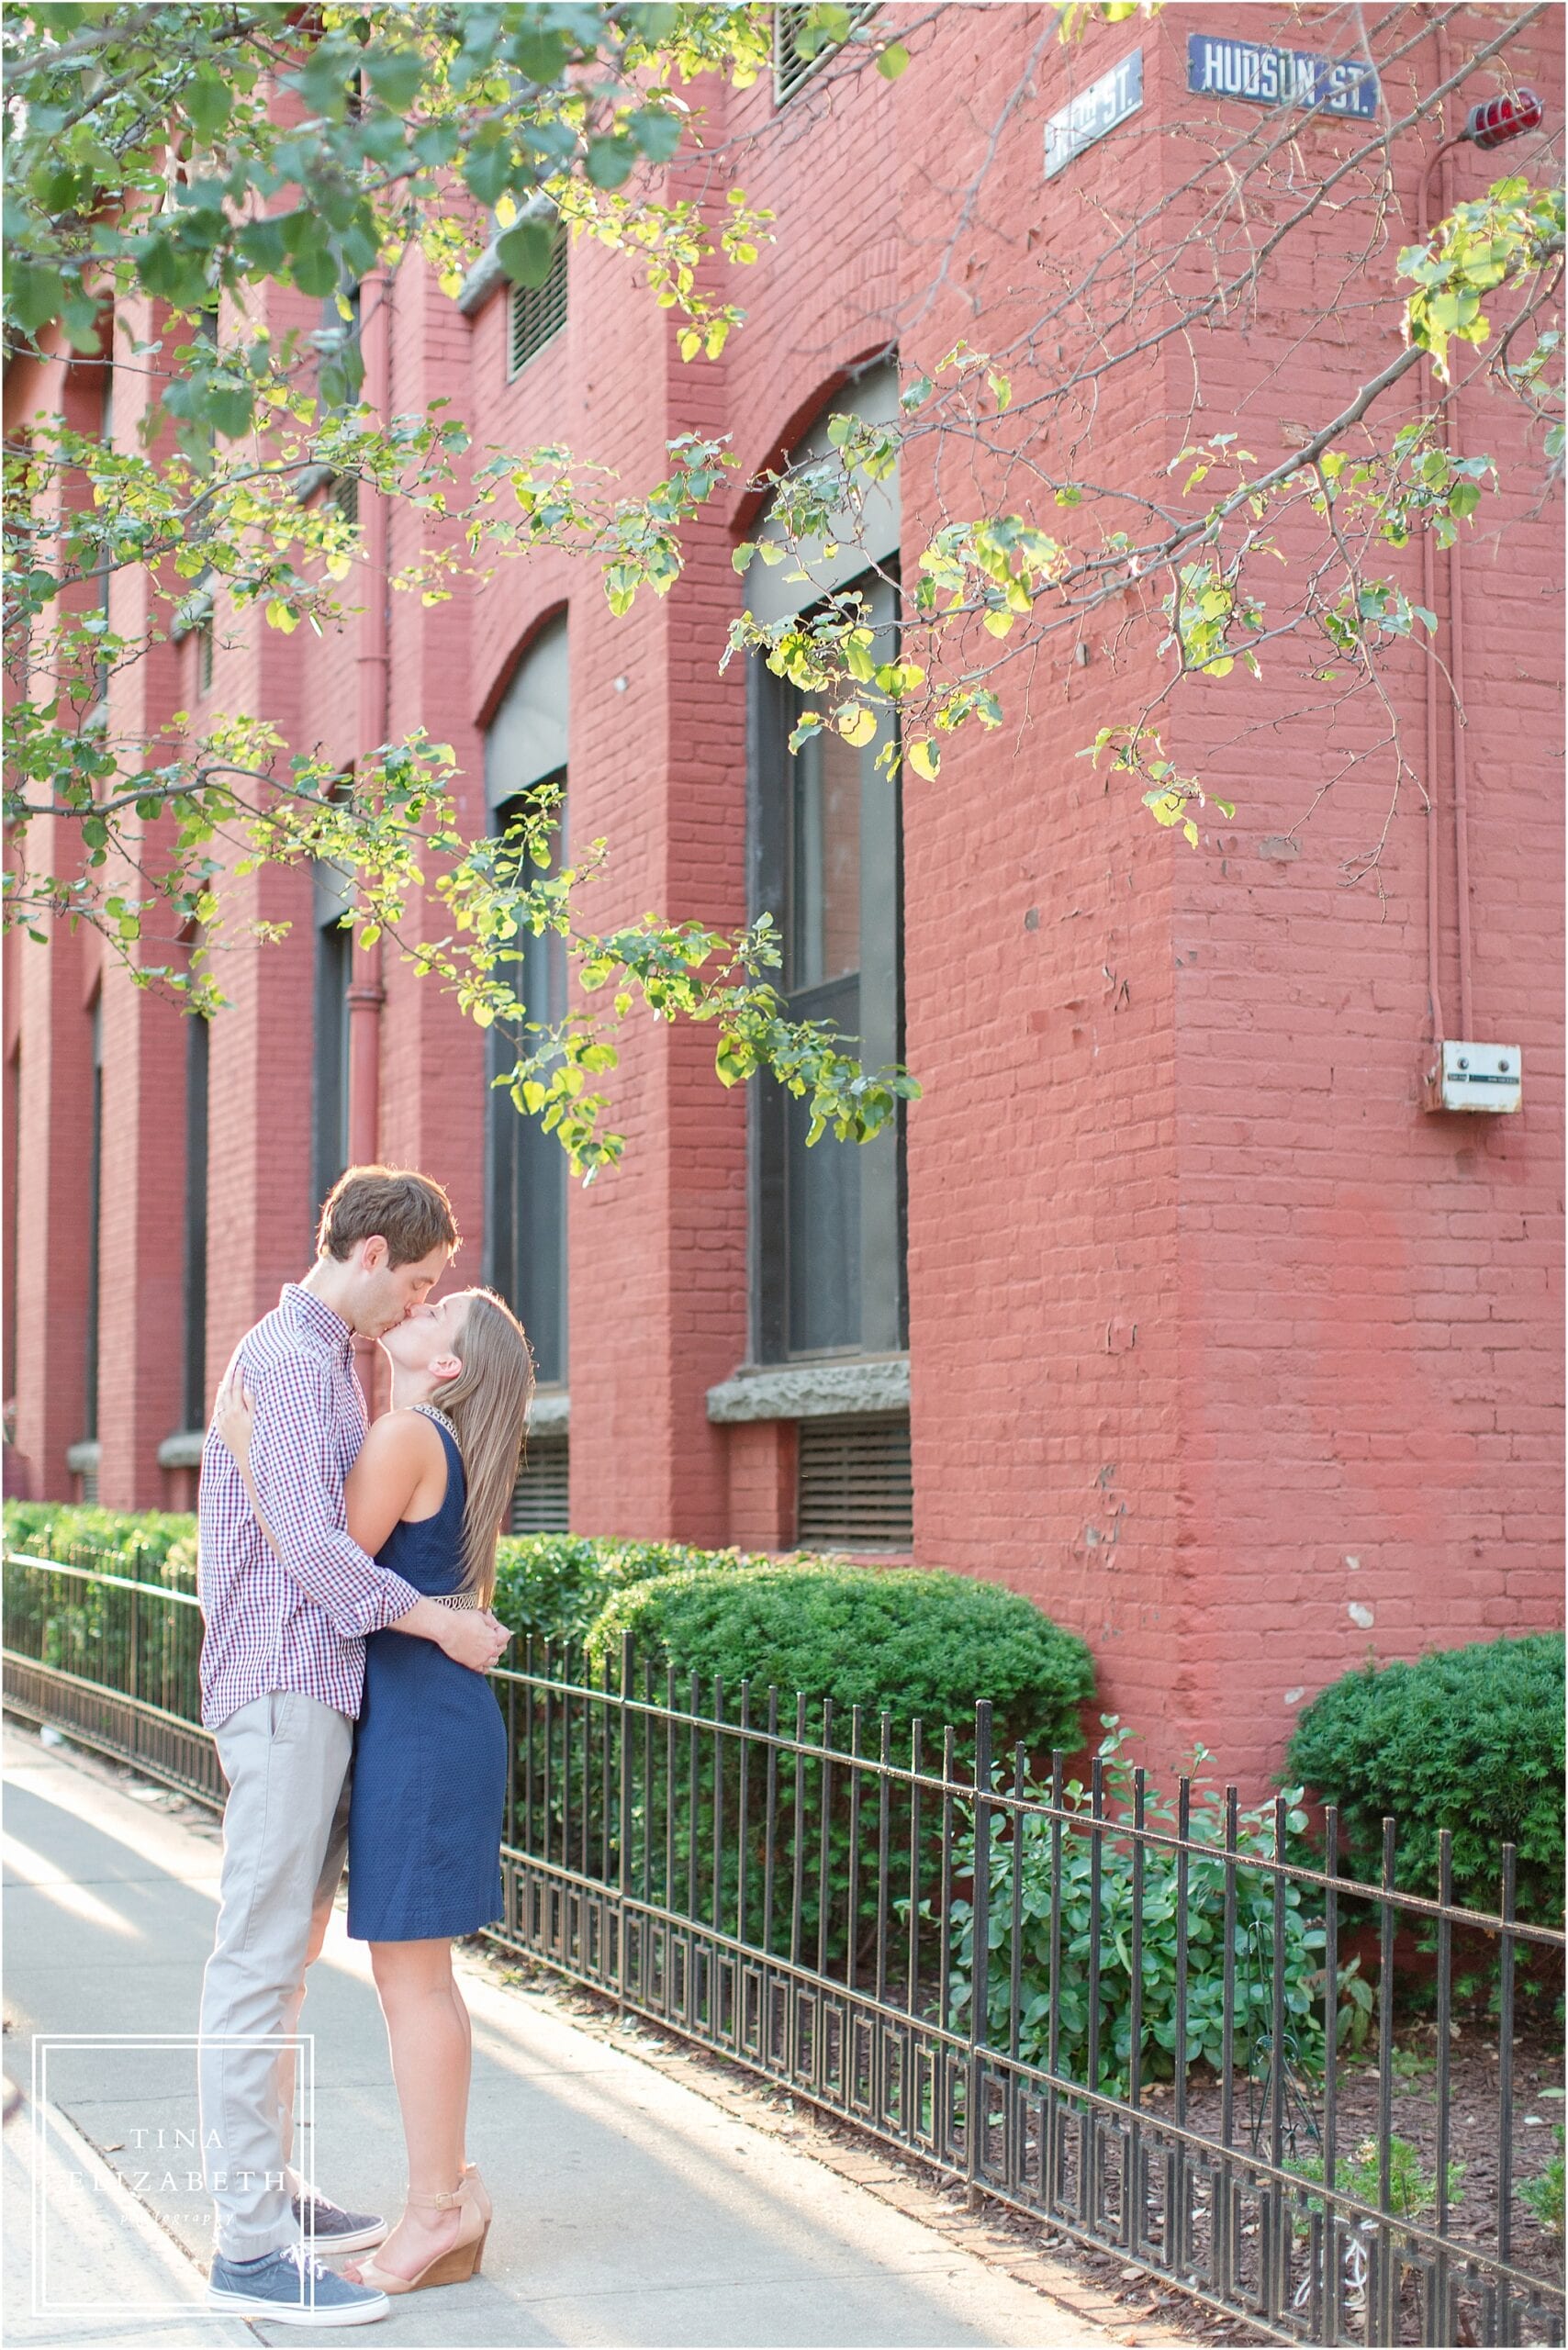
point(427, 2032)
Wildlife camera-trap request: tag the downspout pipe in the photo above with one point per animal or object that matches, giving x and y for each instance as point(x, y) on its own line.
point(366, 994)
point(1442, 159)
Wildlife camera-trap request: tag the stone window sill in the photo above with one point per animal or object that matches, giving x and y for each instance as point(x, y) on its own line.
point(810, 1391)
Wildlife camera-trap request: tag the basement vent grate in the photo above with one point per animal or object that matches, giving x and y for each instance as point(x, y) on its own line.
point(793, 64)
point(539, 1501)
point(538, 312)
point(855, 1489)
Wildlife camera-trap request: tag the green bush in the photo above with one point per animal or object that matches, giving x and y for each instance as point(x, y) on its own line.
point(907, 1643)
point(912, 1642)
point(151, 1545)
point(1062, 1870)
point(552, 1586)
point(1469, 1740)
point(555, 1585)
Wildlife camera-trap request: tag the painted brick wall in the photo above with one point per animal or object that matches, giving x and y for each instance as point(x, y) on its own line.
point(1216, 1337)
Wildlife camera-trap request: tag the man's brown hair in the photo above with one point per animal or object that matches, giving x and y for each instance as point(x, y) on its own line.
point(412, 1215)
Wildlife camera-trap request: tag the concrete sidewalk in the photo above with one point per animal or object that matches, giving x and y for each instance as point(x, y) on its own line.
point(629, 2211)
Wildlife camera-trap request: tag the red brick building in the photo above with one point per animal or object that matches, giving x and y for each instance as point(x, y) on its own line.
point(1175, 1307)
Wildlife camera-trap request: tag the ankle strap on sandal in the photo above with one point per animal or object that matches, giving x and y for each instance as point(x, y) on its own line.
point(447, 2200)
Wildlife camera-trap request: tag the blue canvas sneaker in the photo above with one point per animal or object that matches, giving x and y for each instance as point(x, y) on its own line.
point(327, 2227)
point(290, 2289)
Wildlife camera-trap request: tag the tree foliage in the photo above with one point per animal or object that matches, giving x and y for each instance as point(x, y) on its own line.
point(181, 166)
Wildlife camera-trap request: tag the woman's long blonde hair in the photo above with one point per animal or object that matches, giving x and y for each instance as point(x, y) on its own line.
point(487, 1404)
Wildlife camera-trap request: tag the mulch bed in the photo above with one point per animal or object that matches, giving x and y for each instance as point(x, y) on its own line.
point(1473, 2127)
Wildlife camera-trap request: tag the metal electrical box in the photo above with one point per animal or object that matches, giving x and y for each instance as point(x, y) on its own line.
point(1475, 1077)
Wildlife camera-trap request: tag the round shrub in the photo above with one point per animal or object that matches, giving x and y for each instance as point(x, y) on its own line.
point(909, 1641)
point(1466, 1738)
point(554, 1585)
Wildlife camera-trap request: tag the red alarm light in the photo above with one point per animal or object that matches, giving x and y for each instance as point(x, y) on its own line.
point(1496, 120)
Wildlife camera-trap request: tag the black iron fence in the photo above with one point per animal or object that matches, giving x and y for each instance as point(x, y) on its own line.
point(113, 1660)
point(1173, 2030)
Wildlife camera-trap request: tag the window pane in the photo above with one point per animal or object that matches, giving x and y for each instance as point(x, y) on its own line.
point(197, 1040)
point(334, 971)
point(822, 1186)
point(824, 881)
point(525, 1255)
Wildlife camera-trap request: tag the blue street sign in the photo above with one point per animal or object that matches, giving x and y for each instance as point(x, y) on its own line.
point(1217, 67)
point(1093, 112)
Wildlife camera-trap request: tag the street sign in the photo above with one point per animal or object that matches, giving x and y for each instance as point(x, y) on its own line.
point(1093, 112)
point(1268, 76)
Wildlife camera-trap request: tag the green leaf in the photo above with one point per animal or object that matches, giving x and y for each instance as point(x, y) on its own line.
point(893, 61)
point(488, 170)
point(609, 161)
point(207, 103)
point(315, 271)
point(925, 758)
point(229, 411)
point(526, 251)
point(33, 295)
point(396, 75)
point(656, 133)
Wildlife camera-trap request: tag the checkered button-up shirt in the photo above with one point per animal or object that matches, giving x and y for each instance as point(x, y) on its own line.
point(297, 1622)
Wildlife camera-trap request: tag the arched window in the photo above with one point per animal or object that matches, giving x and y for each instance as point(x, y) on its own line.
point(828, 1253)
point(525, 1197)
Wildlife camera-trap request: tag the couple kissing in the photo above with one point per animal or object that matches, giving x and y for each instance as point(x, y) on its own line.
point(345, 1578)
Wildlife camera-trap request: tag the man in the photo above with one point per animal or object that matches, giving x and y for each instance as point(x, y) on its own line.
point(282, 1673)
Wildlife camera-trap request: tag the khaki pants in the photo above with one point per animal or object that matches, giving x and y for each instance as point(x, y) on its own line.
point(286, 1759)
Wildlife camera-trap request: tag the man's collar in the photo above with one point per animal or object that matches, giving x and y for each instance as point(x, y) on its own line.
point(317, 1320)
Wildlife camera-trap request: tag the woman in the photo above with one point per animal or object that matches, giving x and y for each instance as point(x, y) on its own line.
point(428, 1495)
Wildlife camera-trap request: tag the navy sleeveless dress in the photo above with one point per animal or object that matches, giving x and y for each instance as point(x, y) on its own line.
point(430, 1760)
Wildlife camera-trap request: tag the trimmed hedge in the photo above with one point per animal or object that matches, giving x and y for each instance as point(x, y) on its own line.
point(552, 1586)
point(557, 1585)
point(907, 1642)
point(1466, 1738)
point(912, 1642)
point(152, 1546)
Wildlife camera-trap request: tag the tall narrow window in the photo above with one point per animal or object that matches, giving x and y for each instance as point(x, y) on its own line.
point(194, 1395)
point(334, 971)
point(828, 1221)
point(95, 1202)
point(525, 1207)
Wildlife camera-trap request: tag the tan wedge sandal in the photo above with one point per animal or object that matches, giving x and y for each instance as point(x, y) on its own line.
point(473, 2179)
point(460, 2259)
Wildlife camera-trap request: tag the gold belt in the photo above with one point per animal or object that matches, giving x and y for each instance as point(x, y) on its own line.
point(454, 1598)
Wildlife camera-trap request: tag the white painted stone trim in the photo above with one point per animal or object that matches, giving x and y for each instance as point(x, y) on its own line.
point(83, 1458)
point(814, 1390)
point(550, 1415)
point(182, 1449)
